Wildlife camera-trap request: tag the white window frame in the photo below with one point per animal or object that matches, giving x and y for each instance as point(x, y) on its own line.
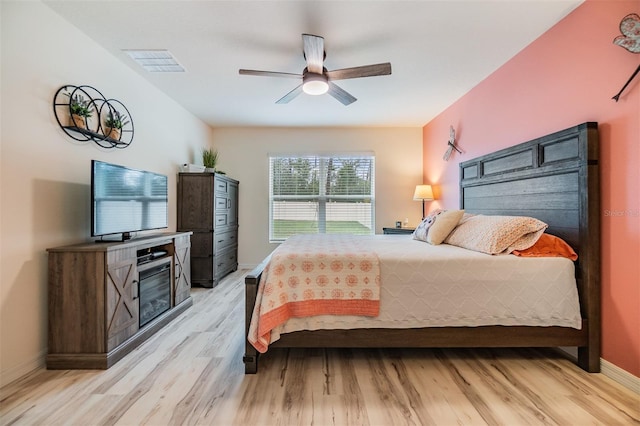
point(321, 197)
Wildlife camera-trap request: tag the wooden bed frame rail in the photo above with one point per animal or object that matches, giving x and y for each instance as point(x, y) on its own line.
point(554, 178)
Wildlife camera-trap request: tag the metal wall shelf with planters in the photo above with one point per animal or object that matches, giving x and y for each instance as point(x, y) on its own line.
point(86, 115)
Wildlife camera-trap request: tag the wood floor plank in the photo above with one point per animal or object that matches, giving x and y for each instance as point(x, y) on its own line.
point(455, 365)
point(506, 391)
point(393, 406)
point(191, 373)
point(407, 384)
point(445, 403)
point(516, 375)
point(354, 402)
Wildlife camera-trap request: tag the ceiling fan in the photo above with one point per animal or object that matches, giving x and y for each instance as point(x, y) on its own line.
point(316, 80)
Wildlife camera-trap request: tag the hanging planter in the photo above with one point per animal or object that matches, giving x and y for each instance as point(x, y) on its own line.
point(114, 134)
point(78, 121)
point(80, 110)
point(114, 123)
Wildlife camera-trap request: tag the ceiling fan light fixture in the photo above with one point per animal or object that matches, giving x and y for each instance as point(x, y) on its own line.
point(316, 80)
point(315, 84)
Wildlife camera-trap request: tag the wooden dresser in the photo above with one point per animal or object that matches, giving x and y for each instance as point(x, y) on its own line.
point(208, 207)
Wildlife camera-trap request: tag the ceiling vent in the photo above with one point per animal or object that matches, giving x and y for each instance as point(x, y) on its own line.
point(155, 60)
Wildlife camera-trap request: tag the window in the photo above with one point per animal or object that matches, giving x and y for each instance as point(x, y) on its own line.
point(320, 194)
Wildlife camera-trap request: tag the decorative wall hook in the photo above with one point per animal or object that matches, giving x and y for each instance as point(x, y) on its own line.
point(85, 114)
point(630, 40)
point(451, 144)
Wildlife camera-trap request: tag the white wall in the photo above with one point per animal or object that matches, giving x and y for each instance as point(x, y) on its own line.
point(244, 156)
point(45, 176)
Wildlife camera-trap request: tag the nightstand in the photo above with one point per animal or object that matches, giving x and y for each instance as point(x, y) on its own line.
point(397, 230)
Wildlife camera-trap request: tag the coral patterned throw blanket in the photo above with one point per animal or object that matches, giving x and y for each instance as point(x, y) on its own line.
point(315, 275)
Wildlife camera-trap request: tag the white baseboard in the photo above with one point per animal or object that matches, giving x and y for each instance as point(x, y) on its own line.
point(608, 369)
point(619, 375)
point(22, 369)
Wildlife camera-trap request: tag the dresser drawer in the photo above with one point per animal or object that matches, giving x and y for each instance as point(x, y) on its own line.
point(221, 187)
point(226, 262)
point(222, 203)
point(223, 240)
point(222, 219)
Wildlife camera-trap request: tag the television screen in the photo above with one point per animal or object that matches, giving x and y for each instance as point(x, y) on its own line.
point(125, 200)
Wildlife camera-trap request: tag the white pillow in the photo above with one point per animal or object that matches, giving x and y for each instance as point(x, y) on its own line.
point(420, 233)
point(444, 223)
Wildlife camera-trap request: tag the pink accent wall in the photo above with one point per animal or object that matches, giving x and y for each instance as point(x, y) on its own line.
point(566, 77)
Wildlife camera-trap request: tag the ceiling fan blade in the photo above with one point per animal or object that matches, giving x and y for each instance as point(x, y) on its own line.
point(363, 71)
point(313, 52)
point(340, 94)
point(289, 96)
point(270, 74)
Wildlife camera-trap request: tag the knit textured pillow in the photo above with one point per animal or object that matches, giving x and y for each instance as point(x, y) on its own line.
point(497, 234)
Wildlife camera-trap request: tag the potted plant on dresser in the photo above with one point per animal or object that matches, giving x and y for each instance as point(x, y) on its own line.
point(210, 159)
point(114, 123)
point(80, 110)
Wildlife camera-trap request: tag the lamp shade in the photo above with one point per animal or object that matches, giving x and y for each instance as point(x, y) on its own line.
point(423, 192)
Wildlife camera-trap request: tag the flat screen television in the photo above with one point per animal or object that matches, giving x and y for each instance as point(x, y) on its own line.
point(125, 200)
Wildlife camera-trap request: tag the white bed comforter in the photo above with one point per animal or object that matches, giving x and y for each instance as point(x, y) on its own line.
point(437, 286)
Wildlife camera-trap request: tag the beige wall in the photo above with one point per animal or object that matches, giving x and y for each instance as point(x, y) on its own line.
point(45, 176)
point(244, 156)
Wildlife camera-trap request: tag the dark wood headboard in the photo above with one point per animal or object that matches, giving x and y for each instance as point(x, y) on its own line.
point(555, 179)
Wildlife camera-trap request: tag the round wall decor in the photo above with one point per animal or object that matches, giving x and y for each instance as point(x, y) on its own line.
point(85, 115)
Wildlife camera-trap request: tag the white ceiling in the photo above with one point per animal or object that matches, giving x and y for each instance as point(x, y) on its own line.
point(438, 51)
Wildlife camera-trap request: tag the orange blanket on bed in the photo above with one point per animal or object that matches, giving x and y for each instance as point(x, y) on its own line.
point(315, 275)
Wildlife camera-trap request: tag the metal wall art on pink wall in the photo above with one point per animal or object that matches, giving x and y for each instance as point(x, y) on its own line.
point(630, 40)
point(451, 144)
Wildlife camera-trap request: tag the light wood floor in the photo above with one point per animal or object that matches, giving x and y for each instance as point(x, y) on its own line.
point(191, 372)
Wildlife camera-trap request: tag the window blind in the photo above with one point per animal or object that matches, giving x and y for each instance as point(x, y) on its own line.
point(327, 194)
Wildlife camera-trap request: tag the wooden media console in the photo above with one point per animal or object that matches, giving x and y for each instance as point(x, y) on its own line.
point(94, 297)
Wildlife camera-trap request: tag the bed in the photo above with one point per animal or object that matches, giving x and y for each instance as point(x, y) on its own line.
point(553, 178)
